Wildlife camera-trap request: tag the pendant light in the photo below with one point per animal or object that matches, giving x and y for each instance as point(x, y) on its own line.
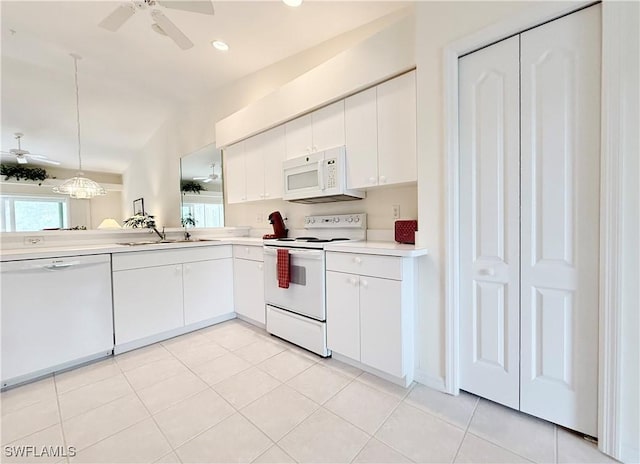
point(79, 186)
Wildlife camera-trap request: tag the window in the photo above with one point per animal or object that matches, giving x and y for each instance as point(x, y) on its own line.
point(205, 214)
point(21, 213)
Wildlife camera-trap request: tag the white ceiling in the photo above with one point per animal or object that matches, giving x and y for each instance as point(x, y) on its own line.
point(131, 79)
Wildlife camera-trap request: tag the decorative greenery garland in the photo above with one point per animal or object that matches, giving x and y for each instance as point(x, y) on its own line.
point(20, 172)
point(191, 186)
point(140, 221)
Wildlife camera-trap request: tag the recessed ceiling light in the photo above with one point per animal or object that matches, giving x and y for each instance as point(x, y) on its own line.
point(293, 3)
point(220, 45)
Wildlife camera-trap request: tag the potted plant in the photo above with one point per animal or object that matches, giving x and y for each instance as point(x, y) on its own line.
point(140, 221)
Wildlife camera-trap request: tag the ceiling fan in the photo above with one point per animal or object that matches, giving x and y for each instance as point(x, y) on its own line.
point(161, 24)
point(211, 177)
point(24, 156)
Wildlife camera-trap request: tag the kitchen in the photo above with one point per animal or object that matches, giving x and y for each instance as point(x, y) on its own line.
point(416, 42)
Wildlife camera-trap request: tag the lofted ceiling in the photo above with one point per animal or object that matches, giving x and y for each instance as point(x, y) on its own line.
point(130, 80)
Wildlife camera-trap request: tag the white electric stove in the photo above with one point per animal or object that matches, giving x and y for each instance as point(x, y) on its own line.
point(298, 313)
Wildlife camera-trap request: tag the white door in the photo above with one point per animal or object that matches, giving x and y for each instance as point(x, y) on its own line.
point(397, 130)
point(489, 223)
point(298, 136)
point(208, 289)
point(273, 152)
point(361, 134)
point(234, 173)
point(328, 127)
point(381, 344)
point(560, 66)
point(254, 167)
point(343, 314)
point(248, 282)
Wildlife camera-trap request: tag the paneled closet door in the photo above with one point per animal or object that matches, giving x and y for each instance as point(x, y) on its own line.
point(560, 75)
point(489, 222)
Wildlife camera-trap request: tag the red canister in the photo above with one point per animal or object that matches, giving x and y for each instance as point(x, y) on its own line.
point(405, 231)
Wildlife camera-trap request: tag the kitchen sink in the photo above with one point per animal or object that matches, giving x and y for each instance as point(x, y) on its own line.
point(158, 242)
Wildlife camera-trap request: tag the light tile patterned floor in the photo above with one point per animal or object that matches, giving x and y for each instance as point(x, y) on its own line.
point(232, 393)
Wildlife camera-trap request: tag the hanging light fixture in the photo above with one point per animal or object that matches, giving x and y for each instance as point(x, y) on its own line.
point(79, 186)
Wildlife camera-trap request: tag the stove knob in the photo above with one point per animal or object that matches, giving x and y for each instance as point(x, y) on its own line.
point(349, 219)
point(357, 218)
point(336, 219)
point(313, 221)
point(306, 220)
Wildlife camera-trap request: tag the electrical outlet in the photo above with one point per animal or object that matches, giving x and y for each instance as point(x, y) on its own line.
point(259, 218)
point(396, 211)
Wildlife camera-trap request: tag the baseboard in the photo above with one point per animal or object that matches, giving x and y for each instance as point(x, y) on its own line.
point(423, 377)
point(129, 346)
point(402, 381)
point(253, 322)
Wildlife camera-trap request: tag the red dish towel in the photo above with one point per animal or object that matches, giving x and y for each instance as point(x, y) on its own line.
point(284, 277)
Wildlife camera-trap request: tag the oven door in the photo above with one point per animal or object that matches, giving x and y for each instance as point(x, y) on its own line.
point(305, 294)
point(304, 177)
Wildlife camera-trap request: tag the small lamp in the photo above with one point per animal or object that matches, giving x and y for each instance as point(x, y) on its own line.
point(109, 223)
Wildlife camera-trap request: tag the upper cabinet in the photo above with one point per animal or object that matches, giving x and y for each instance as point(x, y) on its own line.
point(381, 134)
point(317, 131)
point(254, 167)
point(377, 125)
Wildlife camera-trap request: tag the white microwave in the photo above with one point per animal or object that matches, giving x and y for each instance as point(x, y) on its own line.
point(318, 178)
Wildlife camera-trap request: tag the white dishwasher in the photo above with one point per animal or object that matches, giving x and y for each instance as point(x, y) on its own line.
point(55, 313)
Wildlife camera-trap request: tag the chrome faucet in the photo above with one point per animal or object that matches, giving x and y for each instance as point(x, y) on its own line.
point(162, 235)
point(187, 235)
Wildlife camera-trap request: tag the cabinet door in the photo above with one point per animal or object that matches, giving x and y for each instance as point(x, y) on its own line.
point(328, 127)
point(254, 167)
point(274, 153)
point(235, 175)
point(298, 136)
point(397, 130)
point(343, 314)
point(489, 215)
point(560, 75)
point(147, 302)
point(208, 289)
point(248, 282)
point(361, 129)
point(381, 341)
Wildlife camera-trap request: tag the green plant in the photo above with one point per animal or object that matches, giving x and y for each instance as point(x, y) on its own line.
point(20, 172)
point(140, 221)
point(191, 186)
point(188, 221)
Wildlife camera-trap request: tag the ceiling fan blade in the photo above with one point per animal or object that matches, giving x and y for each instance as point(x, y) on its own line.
point(21, 160)
point(204, 6)
point(118, 17)
point(200, 178)
point(171, 30)
point(44, 159)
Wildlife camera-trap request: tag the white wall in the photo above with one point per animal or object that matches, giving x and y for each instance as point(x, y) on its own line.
point(154, 173)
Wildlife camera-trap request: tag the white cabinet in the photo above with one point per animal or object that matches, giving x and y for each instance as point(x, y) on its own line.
point(380, 125)
point(248, 283)
point(55, 313)
point(207, 287)
point(317, 131)
point(254, 167)
point(370, 305)
point(160, 294)
point(235, 175)
point(361, 125)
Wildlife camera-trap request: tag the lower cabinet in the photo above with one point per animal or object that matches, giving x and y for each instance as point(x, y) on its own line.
point(248, 283)
point(369, 318)
point(166, 291)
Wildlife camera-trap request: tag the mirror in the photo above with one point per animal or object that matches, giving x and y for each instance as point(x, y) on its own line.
point(201, 188)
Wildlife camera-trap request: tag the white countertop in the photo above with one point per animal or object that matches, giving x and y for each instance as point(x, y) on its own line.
point(378, 248)
point(82, 250)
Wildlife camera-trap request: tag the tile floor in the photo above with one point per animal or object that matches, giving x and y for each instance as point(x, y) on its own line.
point(232, 393)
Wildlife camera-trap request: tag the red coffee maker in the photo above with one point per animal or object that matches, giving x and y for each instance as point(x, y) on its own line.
point(279, 229)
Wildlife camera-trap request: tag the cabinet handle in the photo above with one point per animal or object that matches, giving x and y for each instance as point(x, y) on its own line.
point(372, 180)
point(246, 249)
point(266, 195)
point(383, 180)
point(357, 260)
point(314, 148)
point(308, 149)
point(262, 195)
point(260, 266)
point(364, 283)
point(353, 281)
point(178, 269)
